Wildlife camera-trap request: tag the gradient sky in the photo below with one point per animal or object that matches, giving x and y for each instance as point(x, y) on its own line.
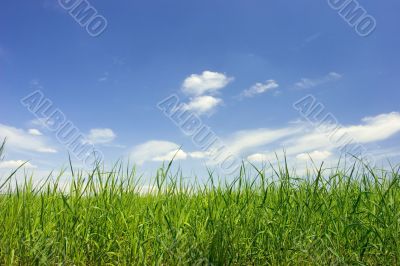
point(240, 65)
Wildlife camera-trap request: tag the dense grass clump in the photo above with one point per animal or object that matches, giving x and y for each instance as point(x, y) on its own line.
point(341, 217)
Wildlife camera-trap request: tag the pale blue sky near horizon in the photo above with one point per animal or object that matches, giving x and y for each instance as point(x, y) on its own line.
point(263, 55)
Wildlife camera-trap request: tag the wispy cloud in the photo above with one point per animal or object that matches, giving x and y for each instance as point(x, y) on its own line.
point(372, 129)
point(245, 140)
point(104, 77)
point(307, 83)
point(314, 155)
point(118, 61)
point(312, 37)
point(41, 122)
point(52, 5)
point(260, 88)
point(300, 142)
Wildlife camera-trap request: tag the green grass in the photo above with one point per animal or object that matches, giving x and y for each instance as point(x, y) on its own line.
point(264, 216)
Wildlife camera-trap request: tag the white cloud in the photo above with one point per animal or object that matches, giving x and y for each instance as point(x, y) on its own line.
point(297, 141)
point(15, 164)
point(199, 154)
point(34, 132)
point(22, 140)
point(41, 122)
point(374, 129)
point(179, 155)
point(202, 104)
point(250, 139)
point(306, 83)
point(156, 150)
point(101, 136)
point(315, 155)
point(259, 157)
point(259, 88)
point(300, 139)
point(246, 140)
point(207, 82)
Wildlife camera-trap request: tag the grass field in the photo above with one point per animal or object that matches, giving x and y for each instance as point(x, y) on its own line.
point(348, 216)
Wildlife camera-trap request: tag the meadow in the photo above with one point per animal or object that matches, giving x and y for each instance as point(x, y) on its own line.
point(346, 215)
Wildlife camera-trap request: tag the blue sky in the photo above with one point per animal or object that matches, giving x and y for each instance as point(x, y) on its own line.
point(238, 65)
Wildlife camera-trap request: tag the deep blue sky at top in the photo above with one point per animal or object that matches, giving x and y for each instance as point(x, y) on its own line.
point(150, 47)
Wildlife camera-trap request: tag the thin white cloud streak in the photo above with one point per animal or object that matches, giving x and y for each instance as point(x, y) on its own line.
point(306, 83)
point(249, 139)
point(260, 88)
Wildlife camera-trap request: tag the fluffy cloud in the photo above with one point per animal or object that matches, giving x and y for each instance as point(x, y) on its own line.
point(207, 82)
point(202, 104)
point(16, 164)
point(259, 88)
point(101, 136)
point(157, 150)
point(20, 139)
point(34, 132)
point(306, 83)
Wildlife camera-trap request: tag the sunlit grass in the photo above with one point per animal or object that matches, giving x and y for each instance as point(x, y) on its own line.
point(264, 216)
